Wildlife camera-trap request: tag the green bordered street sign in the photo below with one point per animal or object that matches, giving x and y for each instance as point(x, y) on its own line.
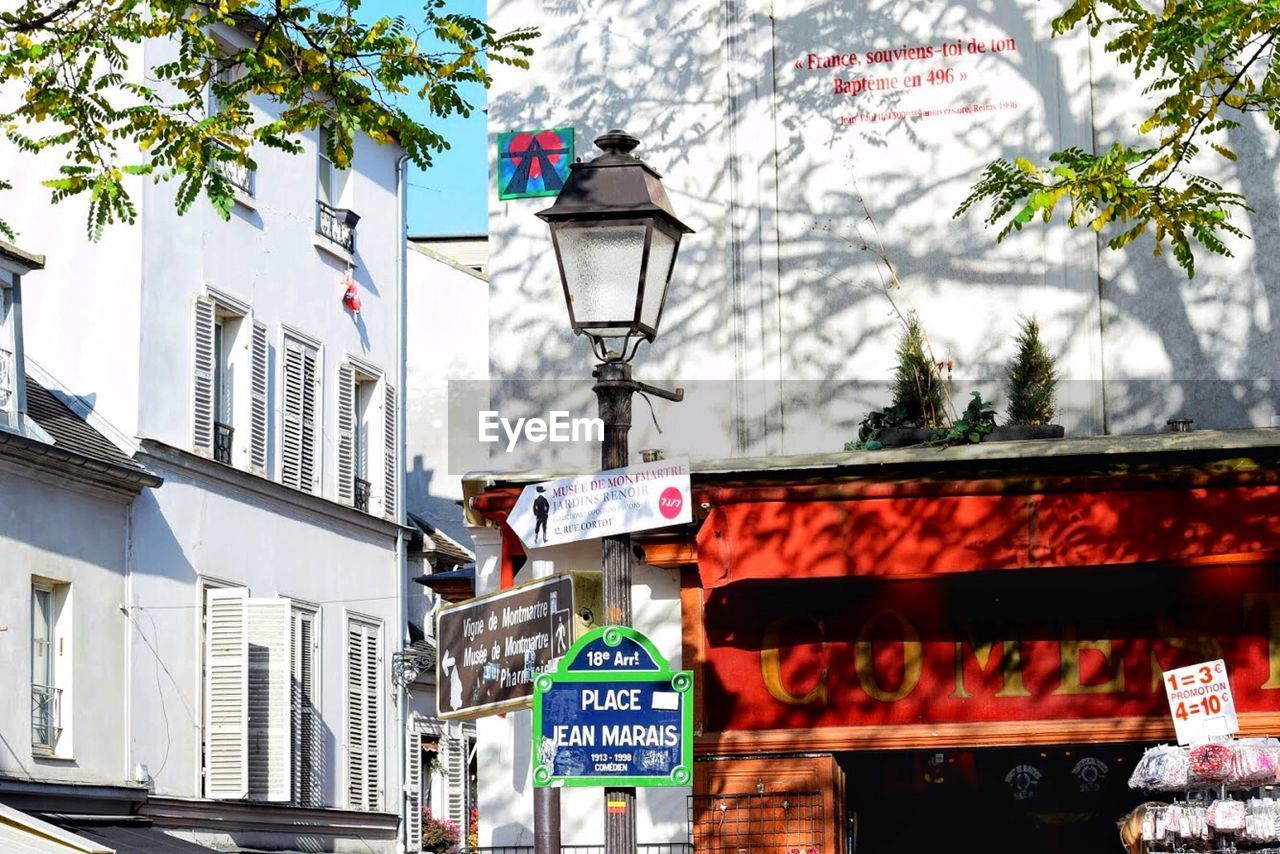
point(613, 713)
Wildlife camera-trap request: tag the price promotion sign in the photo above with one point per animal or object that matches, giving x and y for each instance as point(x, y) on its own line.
point(1200, 702)
point(613, 713)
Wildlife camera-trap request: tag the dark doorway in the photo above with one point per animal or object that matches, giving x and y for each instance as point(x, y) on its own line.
point(1061, 799)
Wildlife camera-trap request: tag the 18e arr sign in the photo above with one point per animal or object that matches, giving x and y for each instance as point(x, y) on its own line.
point(616, 501)
point(492, 647)
point(613, 714)
point(1200, 701)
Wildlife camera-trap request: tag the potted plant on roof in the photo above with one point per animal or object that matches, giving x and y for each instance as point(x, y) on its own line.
point(1032, 381)
point(917, 412)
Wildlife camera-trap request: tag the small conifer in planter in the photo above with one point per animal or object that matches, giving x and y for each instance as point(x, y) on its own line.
point(1033, 379)
point(917, 386)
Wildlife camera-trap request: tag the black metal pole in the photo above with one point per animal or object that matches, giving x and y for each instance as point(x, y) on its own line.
point(546, 821)
point(613, 389)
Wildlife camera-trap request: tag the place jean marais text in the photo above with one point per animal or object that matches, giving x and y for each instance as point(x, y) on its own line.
point(1081, 665)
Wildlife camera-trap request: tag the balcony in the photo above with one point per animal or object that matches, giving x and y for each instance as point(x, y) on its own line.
point(240, 176)
point(337, 225)
point(6, 377)
point(222, 434)
point(362, 495)
point(46, 717)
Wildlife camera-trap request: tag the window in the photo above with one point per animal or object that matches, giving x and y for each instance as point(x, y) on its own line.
point(240, 175)
point(248, 701)
point(300, 413)
point(8, 370)
point(308, 744)
point(334, 219)
point(364, 741)
point(222, 76)
point(49, 697)
point(332, 178)
point(368, 463)
point(229, 410)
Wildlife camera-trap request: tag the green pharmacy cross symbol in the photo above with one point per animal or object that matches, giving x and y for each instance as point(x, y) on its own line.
point(613, 713)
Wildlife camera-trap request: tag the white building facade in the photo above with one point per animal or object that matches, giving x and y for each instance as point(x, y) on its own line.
point(266, 581)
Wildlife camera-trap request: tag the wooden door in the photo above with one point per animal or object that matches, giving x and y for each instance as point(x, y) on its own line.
point(783, 805)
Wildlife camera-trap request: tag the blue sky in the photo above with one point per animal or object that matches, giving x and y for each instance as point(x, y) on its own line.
point(450, 197)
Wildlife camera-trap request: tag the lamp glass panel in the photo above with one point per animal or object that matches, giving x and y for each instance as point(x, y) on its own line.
point(602, 273)
point(661, 248)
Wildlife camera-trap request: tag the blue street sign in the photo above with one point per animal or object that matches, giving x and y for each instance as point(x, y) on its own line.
point(613, 714)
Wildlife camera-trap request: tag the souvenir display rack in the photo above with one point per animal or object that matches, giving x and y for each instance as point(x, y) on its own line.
point(1229, 797)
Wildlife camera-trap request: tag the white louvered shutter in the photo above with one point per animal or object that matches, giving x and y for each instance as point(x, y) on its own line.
point(454, 748)
point(291, 415)
point(413, 790)
point(258, 399)
point(269, 701)
point(390, 452)
point(346, 434)
point(364, 743)
point(307, 733)
point(226, 724)
point(202, 379)
point(309, 472)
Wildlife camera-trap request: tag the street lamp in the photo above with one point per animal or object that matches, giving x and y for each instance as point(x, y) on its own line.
point(615, 237)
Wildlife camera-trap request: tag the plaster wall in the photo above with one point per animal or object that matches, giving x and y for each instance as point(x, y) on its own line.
point(447, 354)
point(74, 540)
point(822, 216)
point(193, 529)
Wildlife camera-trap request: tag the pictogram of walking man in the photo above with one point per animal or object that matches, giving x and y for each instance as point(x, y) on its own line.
point(541, 507)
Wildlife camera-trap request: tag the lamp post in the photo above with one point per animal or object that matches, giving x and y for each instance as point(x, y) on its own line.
point(615, 238)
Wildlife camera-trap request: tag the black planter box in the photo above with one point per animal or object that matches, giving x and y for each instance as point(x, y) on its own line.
point(900, 437)
point(1013, 432)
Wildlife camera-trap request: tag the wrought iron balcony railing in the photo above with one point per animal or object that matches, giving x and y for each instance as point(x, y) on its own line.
point(222, 434)
point(337, 224)
point(6, 376)
point(362, 495)
point(46, 716)
point(242, 177)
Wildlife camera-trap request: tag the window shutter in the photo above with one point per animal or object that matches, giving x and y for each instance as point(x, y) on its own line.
point(226, 695)
point(202, 385)
point(364, 760)
point(413, 790)
point(258, 400)
point(390, 452)
point(373, 726)
point(309, 472)
point(269, 702)
point(346, 433)
point(455, 776)
point(306, 724)
point(291, 416)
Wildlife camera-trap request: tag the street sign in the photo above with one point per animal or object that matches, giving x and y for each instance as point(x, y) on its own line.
point(613, 713)
point(616, 501)
point(1200, 701)
point(490, 648)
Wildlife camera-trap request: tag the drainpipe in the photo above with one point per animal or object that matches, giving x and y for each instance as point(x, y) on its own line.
point(402, 337)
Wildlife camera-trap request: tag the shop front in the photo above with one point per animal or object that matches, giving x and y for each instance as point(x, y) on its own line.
point(940, 651)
